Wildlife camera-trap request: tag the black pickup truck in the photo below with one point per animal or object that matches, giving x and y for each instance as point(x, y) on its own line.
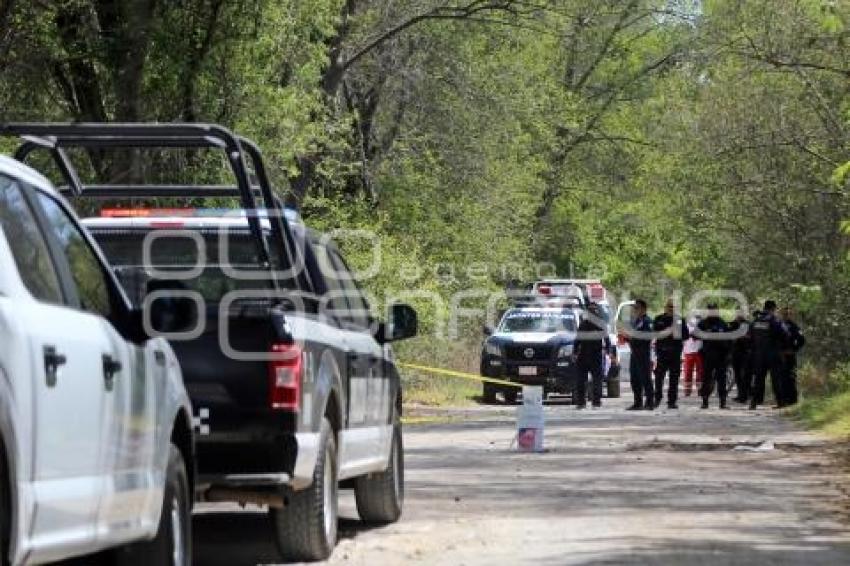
point(291, 378)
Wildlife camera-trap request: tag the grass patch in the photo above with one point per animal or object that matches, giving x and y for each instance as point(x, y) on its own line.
point(433, 390)
point(423, 420)
point(439, 391)
point(826, 399)
point(829, 414)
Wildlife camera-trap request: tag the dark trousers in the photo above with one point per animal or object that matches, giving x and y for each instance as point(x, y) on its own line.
point(668, 362)
point(591, 365)
point(762, 364)
point(715, 372)
point(640, 370)
point(743, 368)
point(788, 379)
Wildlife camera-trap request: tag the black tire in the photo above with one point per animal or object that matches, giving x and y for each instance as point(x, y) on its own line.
point(380, 496)
point(613, 388)
point(173, 542)
point(306, 529)
point(510, 395)
point(489, 393)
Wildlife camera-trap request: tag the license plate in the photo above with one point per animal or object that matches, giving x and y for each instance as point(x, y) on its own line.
point(528, 370)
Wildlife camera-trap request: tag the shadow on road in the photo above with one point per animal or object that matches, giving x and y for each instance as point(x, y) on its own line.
point(672, 551)
point(246, 538)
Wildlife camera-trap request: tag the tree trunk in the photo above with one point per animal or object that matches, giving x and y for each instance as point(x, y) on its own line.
point(196, 60)
point(6, 7)
point(126, 28)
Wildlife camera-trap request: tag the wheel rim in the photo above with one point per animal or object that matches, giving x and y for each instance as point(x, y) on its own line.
point(177, 554)
point(329, 496)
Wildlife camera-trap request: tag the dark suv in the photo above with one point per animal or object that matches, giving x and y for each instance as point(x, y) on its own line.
point(534, 345)
point(531, 346)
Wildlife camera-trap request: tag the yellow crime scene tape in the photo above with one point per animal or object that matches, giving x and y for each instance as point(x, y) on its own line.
point(460, 374)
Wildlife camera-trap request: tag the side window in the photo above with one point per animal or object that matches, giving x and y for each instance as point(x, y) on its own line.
point(335, 303)
point(86, 270)
point(29, 247)
point(358, 305)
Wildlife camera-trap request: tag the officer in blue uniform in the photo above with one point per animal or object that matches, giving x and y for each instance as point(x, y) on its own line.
point(640, 363)
point(793, 342)
point(671, 330)
point(742, 355)
point(592, 344)
point(714, 333)
point(768, 336)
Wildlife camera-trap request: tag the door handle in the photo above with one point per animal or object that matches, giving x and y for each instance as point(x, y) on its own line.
point(52, 360)
point(159, 356)
point(111, 366)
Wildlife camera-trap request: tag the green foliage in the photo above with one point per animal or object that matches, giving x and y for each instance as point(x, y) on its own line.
point(841, 173)
point(660, 144)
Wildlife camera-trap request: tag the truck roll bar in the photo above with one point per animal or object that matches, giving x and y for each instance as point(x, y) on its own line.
point(56, 137)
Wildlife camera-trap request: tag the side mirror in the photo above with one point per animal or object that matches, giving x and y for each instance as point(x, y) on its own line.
point(402, 323)
point(487, 330)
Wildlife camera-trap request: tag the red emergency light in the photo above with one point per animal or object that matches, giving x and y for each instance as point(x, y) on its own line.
point(596, 291)
point(544, 290)
point(146, 212)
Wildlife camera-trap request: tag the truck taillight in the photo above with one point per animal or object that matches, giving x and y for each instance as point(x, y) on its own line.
point(285, 375)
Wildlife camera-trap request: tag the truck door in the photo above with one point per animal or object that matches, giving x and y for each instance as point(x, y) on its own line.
point(66, 348)
point(118, 374)
point(371, 432)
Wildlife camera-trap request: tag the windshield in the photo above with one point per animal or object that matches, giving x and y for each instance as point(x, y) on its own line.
point(538, 321)
point(123, 249)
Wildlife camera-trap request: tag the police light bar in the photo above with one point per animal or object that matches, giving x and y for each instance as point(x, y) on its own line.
point(544, 290)
point(290, 214)
point(146, 212)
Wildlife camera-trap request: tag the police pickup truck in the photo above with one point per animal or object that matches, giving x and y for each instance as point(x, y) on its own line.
point(96, 448)
point(531, 346)
point(291, 377)
point(534, 341)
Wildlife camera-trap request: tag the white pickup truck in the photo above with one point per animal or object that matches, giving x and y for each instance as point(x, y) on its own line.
point(96, 444)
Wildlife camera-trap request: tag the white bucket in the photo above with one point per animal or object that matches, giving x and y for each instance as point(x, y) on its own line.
point(530, 420)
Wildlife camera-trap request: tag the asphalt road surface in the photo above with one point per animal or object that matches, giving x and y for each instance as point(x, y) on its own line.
point(669, 487)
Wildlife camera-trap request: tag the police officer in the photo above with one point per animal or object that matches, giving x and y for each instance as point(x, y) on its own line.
point(591, 344)
point(794, 340)
point(713, 330)
point(671, 331)
point(741, 355)
point(767, 335)
point(640, 363)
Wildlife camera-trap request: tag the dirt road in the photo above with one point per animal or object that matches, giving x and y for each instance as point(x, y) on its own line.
point(666, 487)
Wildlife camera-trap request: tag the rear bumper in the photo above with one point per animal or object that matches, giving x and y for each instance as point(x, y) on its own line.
point(256, 459)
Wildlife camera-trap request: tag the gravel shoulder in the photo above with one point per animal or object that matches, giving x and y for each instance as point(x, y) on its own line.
point(667, 487)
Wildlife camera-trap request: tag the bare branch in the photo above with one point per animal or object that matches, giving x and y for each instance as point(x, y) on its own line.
point(606, 46)
point(466, 12)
